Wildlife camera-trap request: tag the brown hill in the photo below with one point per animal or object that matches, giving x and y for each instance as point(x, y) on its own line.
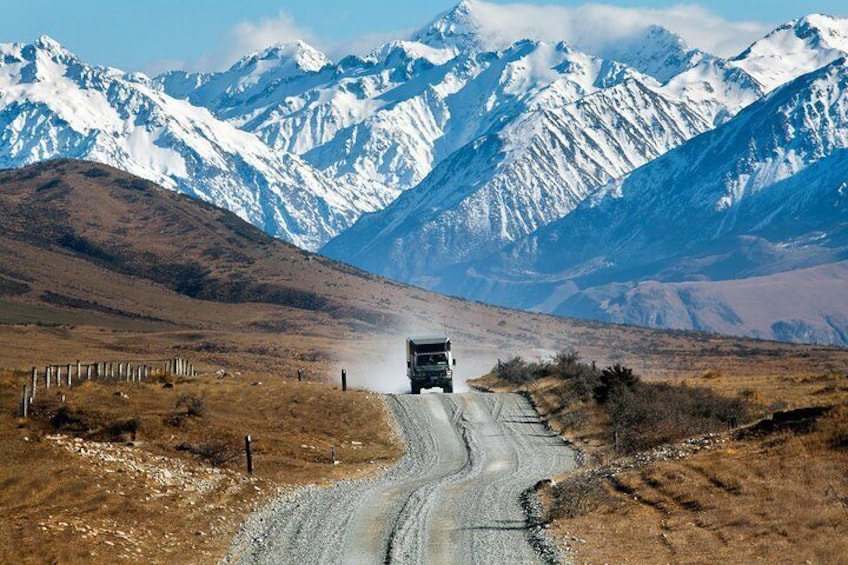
point(94, 261)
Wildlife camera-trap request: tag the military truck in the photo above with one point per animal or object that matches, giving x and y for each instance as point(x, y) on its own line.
point(429, 363)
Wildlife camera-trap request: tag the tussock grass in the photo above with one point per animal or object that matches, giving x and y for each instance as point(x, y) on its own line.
point(54, 499)
point(773, 499)
point(776, 496)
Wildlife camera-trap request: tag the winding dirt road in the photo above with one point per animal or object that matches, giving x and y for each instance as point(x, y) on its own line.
point(455, 497)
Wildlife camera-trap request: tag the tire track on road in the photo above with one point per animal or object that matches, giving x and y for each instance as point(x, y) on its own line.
point(454, 497)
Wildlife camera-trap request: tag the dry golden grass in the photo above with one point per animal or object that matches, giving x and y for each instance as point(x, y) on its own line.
point(62, 507)
point(780, 499)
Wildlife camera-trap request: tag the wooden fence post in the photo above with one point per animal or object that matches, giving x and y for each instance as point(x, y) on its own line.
point(344, 380)
point(79, 370)
point(48, 371)
point(333, 454)
point(68, 376)
point(299, 375)
point(24, 402)
point(32, 382)
point(88, 372)
point(249, 454)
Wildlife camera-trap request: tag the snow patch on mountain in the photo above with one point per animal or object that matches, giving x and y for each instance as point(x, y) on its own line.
point(54, 105)
point(794, 49)
point(750, 203)
point(504, 186)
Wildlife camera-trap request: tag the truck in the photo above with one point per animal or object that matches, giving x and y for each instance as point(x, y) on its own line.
point(429, 363)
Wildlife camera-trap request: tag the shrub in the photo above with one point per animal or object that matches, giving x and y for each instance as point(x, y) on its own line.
point(217, 452)
point(613, 381)
point(835, 428)
point(194, 405)
point(566, 365)
point(576, 496)
point(67, 420)
point(515, 371)
point(120, 430)
point(645, 415)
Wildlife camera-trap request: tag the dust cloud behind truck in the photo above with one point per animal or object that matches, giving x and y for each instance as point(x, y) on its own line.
point(429, 363)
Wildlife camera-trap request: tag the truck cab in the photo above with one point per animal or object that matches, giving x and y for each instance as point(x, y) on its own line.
point(429, 363)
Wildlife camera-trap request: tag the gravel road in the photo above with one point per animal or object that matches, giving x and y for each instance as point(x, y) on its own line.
point(454, 498)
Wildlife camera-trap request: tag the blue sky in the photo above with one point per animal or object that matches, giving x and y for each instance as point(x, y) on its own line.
point(153, 35)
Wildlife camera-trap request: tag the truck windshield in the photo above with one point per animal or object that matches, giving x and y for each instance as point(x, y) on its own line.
point(433, 359)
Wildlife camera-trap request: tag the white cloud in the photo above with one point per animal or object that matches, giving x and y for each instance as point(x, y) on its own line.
point(363, 44)
point(596, 25)
point(248, 37)
point(590, 26)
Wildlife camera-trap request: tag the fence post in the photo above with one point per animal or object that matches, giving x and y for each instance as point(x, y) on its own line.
point(333, 454)
point(48, 371)
point(88, 372)
point(69, 376)
point(24, 402)
point(249, 454)
point(79, 370)
point(299, 375)
point(344, 380)
point(32, 382)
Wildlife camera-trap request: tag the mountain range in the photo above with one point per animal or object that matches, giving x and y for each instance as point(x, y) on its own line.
point(644, 182)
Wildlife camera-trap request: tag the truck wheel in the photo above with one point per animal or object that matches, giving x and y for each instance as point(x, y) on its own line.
point(416, 389)
point(448, 388)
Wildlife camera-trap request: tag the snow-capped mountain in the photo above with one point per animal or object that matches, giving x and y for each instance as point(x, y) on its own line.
point(504, 186)
point(656, 52)
point(54, 105)
point(795, 48)
point(381, 123)
point(715, 89)
point(534, 173)
point(252, 83)
point(756, 210)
